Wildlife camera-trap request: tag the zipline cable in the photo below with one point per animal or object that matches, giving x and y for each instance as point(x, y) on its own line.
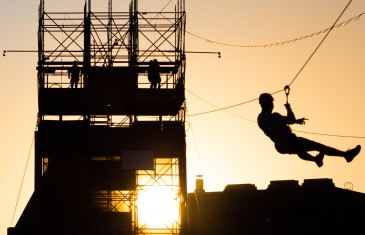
point(196, 148)
point(287, 87)
point(306, 132)
point(231, 106)
point(277, 43)
point(332, 135)
point(21, 184)
point(310, 57)
point(217, 106)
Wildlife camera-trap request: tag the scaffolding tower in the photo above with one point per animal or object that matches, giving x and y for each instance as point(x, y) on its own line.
point(105, 139)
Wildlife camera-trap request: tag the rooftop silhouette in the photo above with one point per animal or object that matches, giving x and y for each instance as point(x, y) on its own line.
point(285, 207)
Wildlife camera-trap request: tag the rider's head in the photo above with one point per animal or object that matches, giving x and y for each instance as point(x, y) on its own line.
point(266, 100)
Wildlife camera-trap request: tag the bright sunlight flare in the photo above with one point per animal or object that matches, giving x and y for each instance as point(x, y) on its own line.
point(158, 207)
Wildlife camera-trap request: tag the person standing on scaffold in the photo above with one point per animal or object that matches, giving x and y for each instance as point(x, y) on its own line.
point(74, 74)
point(276, 127)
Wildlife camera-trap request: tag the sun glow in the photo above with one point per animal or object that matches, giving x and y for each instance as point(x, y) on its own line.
point(158, 207)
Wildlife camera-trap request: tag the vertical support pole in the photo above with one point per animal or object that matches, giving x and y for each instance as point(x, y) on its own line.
point(87, 47)
point(183, 188)
point(135, 31)
point(110, 33)
point(41, 58)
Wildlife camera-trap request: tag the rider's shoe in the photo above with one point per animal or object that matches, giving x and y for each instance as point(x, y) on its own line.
point(351, 154)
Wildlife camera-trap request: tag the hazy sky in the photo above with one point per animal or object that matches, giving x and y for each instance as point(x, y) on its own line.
point(227, 147)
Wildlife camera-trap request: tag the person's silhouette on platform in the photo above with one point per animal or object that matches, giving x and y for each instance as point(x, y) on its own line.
point(153, 71)
point(276, 126)
point(74, 73)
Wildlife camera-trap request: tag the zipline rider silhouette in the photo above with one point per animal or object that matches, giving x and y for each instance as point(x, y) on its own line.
point(276, 126)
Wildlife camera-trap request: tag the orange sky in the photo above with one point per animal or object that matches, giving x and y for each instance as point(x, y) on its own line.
point(226, 147)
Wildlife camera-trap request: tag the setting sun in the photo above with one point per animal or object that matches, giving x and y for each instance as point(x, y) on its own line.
point(157, 207)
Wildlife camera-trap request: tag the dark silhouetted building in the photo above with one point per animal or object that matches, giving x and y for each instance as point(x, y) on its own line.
point(285, 207)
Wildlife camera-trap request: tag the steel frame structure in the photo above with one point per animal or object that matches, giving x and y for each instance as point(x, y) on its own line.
point(84, 133)
point(109, 39)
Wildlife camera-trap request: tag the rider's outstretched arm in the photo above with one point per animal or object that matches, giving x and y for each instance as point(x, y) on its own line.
point(291, 117)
